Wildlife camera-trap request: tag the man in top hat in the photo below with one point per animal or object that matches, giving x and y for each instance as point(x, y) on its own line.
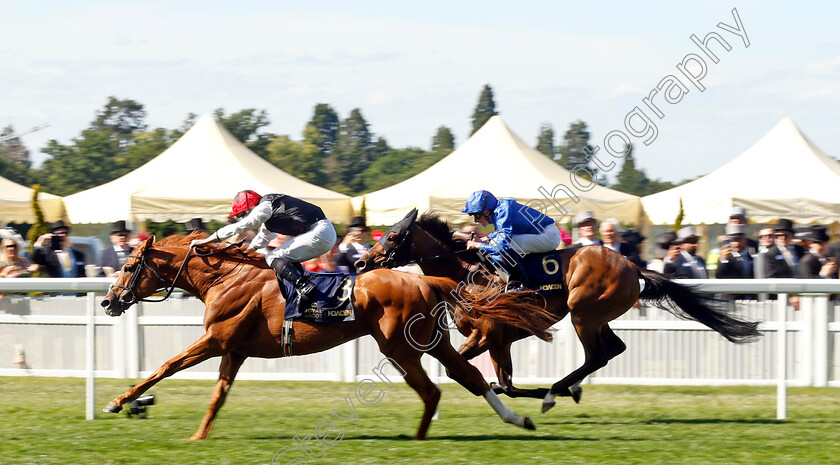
point(687, 264)
point(195, 225)
point(815, 264)
point(782, 259)
point(353, 246)
point(586, 222)
point(113, 258)
point(739, 216)
point(54, 253)
point(735, 261)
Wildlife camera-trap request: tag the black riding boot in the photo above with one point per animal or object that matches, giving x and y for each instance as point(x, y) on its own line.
point(305, 287)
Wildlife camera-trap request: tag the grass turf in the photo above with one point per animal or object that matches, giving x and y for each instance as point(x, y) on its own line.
point(42, 422)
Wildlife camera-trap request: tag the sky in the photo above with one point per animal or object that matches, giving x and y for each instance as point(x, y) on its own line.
point(414, 66)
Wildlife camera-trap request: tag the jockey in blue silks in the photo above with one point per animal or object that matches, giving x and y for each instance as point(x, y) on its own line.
point(519, 230)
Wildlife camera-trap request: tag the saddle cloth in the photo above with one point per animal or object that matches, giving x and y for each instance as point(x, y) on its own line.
point(546, 271)
point(333, 298)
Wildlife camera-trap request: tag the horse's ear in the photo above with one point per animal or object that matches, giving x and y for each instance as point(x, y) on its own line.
point(412, 215)
point(149, 241)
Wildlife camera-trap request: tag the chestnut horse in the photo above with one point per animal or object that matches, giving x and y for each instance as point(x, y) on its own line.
point(244, 318)
point(599, 286)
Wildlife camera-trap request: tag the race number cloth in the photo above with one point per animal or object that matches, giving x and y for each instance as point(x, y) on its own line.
point(546, 270)
point(333, 302)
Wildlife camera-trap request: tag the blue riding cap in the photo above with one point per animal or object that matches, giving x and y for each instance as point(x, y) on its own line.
point(480, 201)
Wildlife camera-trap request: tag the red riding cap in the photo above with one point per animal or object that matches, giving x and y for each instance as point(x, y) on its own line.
point(243, 202)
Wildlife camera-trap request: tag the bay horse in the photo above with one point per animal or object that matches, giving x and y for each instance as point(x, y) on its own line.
point(599, 286)
point(245, 313)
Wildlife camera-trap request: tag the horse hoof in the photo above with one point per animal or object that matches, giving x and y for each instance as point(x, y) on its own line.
point(546, 406)
point(112, 408)
point(577, 393)
point(498, 389)
point(528, 424)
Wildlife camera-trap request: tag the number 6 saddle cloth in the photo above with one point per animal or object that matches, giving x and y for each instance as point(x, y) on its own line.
point(546, 271)
point(333, 298)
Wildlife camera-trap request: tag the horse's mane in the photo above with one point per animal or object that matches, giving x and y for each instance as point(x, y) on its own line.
point(439, 229)
point(225, 251)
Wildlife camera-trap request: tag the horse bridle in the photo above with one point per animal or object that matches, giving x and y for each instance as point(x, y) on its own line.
point(136, 276)
point(391, 254)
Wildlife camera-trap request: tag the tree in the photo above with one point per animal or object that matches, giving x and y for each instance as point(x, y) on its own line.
point(300, 159)
point(634, 180)
point(40, 227)
point(629, 179)
point(679, 219)
point(13, 149)
point(325, 120)
point(485, 109)
point(443, 141)
point(14, 158)
point(575, 151)
point(123, 119)
point(545, 141)
point(91, 160)
point(143, 148)
point(397, 166)
point(352, 154)
point(245, 126)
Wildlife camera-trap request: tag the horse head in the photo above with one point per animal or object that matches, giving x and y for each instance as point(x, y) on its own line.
point(393, 249)
point(136, 281)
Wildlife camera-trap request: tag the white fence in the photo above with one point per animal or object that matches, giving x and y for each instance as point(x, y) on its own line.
point(46, 335)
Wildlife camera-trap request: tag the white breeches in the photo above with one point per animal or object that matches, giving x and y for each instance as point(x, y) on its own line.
point(546, 241)
point(319, 240)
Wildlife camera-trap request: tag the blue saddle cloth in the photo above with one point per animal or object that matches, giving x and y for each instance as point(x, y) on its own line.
point(546, 271)
point(333, 298)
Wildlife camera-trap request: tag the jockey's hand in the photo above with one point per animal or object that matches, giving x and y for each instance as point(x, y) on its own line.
point(473, 245)
point(206, 240)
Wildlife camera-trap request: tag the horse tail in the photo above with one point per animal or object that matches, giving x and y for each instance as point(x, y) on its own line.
point(687, 303)
point(517, 309)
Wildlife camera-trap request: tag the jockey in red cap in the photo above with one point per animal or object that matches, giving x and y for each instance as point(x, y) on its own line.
point(274, 214)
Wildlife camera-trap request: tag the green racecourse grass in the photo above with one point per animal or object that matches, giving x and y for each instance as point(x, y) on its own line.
point(42, 421)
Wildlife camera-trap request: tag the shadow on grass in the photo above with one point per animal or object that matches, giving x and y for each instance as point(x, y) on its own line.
point(460, 438)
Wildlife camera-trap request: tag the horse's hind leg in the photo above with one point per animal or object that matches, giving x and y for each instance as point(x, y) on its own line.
point(202, 349)
point(227, 372)
point(596, 357)
point(613, 345)
point(500, 356)
point(469, 377)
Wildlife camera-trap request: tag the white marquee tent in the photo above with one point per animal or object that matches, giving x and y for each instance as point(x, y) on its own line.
point(197, 177)
point(16, 204)
point(496, 159)
point(783, 175)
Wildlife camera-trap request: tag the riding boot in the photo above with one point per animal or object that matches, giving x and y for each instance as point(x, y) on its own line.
point(305, 288)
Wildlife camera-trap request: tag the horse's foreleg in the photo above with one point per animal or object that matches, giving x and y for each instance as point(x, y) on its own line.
point(416, 377)
point(227, 372)
point(469, 377)
point(199, 351)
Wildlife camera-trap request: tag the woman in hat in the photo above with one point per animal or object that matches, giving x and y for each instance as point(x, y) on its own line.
point(12, 265)
point(311, 234)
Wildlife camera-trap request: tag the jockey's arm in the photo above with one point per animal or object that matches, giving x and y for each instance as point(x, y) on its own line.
point(259, 215)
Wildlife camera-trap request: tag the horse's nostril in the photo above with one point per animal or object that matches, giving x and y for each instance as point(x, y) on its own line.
point(360, 265)
point(105, 303)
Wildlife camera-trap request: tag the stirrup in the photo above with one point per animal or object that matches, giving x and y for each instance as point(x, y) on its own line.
point(286, 336)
